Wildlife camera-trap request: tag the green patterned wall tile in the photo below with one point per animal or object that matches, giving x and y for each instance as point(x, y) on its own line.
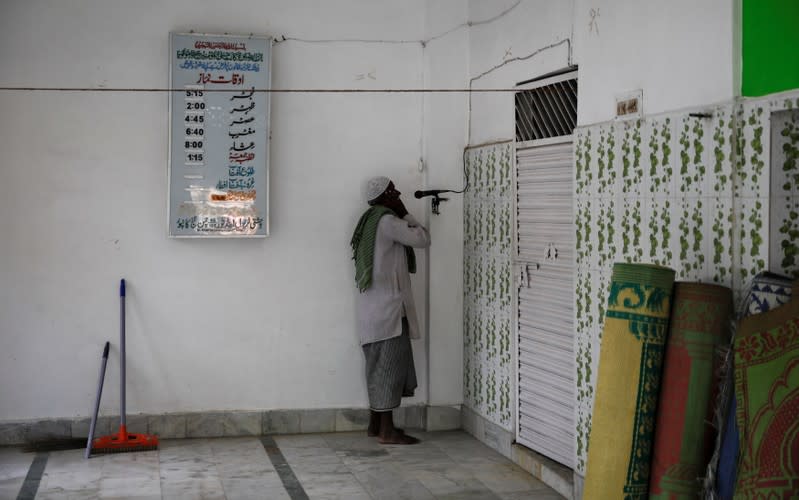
point(784, 226)
point(601, 160)
point(487, 282)
point(505, 235)
point(754, 216)
point(741, 174)
point(579, 229)
point(708, 217)
point(506, 170)
point(601, 231)
point(579, 159)
point(638, 168)
point(654, 157)
point(589, 160)
point(614, 167)
point(667, 171)
point(627, 171)
point(695, 266)
point(698, 148)
point(505, 408)
point(686, 179)
point(479, 182)
point(721, 217)
point(658, 136)
point(643, 215)
point(692, 178)
point(752, 194)
point(750, 149)
point(491, 171)
point(628, 165)
point(756, 162)
point(721, 157)
point(660, 231)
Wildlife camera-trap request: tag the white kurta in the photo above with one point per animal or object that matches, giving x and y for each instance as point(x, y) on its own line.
point(380, 307)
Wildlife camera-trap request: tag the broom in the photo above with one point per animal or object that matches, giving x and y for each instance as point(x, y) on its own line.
point(97, 402)
point(123, 441)
point(60, 444)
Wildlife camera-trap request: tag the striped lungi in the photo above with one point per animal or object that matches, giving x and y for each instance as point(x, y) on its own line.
point(390, 373)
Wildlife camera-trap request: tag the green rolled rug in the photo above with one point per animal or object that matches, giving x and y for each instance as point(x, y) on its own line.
point(628, 383)
point(684, 434)
point(767, 403)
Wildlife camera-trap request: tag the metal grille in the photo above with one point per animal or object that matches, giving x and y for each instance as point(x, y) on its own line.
point(547, 111)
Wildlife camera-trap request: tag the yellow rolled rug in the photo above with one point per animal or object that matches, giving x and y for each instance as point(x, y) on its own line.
point(628, 383)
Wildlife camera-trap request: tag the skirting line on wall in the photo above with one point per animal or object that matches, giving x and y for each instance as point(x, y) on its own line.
point(558, 477)
point(230, 423)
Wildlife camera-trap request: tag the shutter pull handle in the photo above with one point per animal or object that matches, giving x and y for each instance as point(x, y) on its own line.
point(524, 274)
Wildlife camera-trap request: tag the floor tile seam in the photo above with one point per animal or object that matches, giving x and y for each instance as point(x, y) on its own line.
point(215, 461)
point(501, 459)
point(419, 483)
point(291, 483)
point(362, 485)
point(394, 465)
point(34, 477)
point(160, 474)
point(476, 478)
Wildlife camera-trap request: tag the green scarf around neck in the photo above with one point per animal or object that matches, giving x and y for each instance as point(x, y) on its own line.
point(363, 246)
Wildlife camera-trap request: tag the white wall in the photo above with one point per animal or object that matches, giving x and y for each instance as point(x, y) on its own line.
point(446, 64)
point(255, 324)
point(530, 40)
point(680, 53)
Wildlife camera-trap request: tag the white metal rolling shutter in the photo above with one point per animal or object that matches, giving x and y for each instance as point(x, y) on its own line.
point(545, 259)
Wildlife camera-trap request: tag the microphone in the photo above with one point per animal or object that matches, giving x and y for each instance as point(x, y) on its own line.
point(432, 192)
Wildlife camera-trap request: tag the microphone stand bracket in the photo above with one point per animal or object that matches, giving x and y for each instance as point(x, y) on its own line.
point(435, 202)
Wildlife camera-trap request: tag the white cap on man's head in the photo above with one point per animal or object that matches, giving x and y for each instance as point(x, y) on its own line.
point(375, 187)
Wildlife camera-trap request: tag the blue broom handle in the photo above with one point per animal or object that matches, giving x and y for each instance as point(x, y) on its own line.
point(122, 351)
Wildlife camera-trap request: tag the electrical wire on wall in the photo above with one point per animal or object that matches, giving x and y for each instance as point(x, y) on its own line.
point(424, 44)
point(281, 39)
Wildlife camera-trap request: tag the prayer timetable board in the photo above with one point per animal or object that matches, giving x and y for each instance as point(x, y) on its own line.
point(219, 136)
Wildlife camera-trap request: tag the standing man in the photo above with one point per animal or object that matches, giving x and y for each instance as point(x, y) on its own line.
point(382, 248)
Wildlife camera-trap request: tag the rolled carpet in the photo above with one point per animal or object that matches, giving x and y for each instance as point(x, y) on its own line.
point(767, 403)
point(684, 434)
point(628, 382)
point(767, 291)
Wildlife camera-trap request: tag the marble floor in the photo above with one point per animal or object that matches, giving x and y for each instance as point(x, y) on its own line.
point(351, 466)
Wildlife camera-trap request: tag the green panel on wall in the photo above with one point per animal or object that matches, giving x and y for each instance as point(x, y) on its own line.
point(770, 41)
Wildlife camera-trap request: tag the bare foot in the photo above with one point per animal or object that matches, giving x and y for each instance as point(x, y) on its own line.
point(374, 426)
point(397, 438)
point(371, 433)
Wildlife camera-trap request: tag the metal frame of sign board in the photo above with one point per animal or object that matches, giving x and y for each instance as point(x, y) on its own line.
point(267, 139)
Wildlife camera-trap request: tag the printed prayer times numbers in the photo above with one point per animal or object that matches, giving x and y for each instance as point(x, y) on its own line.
point(195, 122)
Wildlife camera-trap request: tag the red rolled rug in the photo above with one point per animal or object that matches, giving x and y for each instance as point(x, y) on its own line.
point(684, 435)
